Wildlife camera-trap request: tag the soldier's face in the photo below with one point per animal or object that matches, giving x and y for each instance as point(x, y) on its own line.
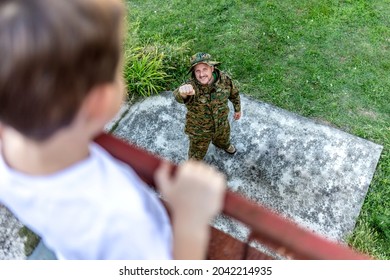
point(204, 73)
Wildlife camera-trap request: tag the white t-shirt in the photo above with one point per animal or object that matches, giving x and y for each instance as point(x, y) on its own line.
point(95, 209)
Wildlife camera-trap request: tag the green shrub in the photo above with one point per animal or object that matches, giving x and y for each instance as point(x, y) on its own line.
point(175, 61)
point(143, 68)
point(143, 71)
point(151, 67)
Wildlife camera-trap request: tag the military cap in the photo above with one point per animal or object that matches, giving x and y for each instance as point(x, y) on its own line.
point(202, 57)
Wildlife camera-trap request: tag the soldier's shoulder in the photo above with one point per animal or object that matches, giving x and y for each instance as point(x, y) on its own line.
point(224, 75)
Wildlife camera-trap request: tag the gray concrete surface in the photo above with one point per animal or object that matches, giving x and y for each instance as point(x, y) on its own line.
point(314, 174)
point(11, 243)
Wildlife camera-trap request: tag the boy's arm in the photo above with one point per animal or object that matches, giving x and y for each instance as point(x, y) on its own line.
point(195, 196)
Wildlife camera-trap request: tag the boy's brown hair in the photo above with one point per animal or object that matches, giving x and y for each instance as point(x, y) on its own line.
point(51, 54)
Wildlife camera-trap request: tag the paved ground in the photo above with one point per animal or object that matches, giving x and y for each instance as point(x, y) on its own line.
point(11, 244)
point(311, 173)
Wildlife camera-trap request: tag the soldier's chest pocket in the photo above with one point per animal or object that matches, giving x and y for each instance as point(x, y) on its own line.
point(221, 93)
point(202, 99)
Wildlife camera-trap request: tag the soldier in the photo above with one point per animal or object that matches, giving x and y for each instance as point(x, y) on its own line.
point(206, 97)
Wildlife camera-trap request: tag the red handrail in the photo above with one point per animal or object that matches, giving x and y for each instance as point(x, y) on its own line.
point(281, 235)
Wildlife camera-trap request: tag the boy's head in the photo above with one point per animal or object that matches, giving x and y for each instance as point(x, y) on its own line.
point(52, 54)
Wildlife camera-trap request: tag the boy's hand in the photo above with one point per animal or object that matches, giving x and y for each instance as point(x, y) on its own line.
point(195, 193)
point(186, 90)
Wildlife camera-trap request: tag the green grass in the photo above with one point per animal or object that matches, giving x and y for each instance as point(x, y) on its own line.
point(31, 242)
point(327, 60)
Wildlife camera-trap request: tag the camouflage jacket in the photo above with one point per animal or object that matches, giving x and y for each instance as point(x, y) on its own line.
point(208, 109)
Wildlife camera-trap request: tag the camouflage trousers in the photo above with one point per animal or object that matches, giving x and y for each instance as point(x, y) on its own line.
point(199, 144)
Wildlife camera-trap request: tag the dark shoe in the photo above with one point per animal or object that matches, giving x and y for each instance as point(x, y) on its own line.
point(231, 150)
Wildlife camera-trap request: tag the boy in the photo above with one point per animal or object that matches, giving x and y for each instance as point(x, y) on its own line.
point(59, 84)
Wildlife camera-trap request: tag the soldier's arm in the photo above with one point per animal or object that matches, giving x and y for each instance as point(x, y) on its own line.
point(184, 93)
point(235, 97)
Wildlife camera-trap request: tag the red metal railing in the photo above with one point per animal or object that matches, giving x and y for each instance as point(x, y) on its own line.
point(273, 231)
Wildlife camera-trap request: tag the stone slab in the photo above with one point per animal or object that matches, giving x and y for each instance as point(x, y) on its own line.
point(11, 243)
point(309, 172)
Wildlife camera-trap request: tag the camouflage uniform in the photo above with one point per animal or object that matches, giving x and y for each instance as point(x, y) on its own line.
point(207, 113)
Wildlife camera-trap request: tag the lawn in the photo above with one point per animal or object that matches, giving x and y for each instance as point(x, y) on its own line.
point(326, 60)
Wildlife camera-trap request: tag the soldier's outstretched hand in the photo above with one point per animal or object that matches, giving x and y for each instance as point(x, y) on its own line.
point(186, 90)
